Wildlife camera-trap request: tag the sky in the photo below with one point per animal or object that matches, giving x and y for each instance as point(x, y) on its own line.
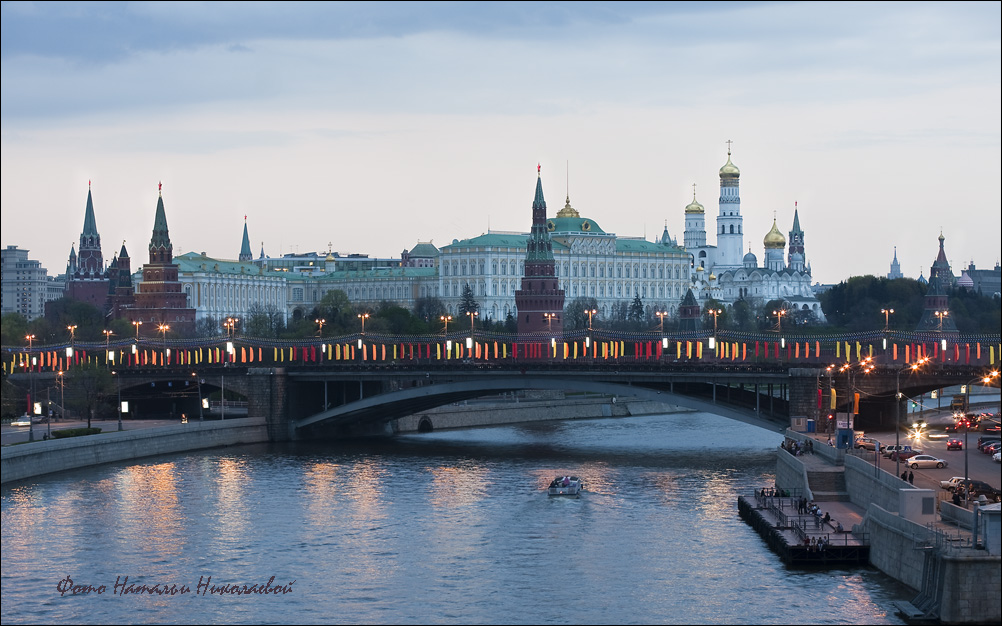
point(368, 127)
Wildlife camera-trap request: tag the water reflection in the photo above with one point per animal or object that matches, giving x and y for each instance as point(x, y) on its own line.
point(450, 527)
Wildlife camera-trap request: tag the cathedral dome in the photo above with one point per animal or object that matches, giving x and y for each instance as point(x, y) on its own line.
point(750, 259)
point(774, 238)
point(729, 170)
point(694, 206)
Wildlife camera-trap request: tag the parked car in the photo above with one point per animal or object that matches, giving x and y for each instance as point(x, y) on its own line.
point(904, 454)
point(977, 488)
point(951, 484)
point(955, 444)
point(866, 443)
point(925, 460)
point(992, 448)
point(984, 440)
point(891, 449)
point(997, 457)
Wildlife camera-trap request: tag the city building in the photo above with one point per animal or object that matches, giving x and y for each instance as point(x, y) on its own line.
point(936, 306)
point(26, 285)
point(895, 272)
point(721, 273)
point(540, 300)
point(985, 282)
point(86, 277)
point(160, 298)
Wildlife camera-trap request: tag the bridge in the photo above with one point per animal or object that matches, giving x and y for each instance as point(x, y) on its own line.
point(326, 386)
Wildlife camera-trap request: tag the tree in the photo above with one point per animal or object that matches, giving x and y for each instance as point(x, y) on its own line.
point(636, 313)
point(264, 321)
point(429, 309)
point(87, 386)
point(574, 312)
point(723, 318)
point(468, 304)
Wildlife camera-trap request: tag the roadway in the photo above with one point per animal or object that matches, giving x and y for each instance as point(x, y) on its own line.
point(19, 434)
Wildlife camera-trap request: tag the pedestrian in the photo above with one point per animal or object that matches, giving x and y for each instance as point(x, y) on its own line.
point(904, 476)
point(911, 478)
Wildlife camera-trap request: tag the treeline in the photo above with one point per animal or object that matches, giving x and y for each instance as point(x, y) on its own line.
point(855, 305)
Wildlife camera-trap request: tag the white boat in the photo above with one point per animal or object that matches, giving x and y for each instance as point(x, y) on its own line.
point(566, 486)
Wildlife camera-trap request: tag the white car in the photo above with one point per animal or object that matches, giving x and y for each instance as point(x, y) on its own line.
point(924, 460)
point(951, 484)
point(997, 457)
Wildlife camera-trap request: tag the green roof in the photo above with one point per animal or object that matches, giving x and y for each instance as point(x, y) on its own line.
point(641, 245)
point(424, 250)
point(193, 262)
point(498, 240)
point(573, 225)
point(376, 273)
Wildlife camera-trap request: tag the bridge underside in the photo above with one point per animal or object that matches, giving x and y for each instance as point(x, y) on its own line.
point(743, 406)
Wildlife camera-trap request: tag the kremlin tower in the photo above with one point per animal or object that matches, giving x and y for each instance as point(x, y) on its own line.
point(540, 301)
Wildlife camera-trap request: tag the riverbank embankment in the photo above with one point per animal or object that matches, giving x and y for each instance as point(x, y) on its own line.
point(58, 455)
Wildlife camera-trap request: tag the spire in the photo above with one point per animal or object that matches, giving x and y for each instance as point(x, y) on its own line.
point(796, 219)
point(90, 223)
point(245, 249)
point(161, 250)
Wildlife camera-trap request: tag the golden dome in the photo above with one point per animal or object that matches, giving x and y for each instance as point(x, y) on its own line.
point(774, 238)
point(694, 207)
point(568, 210)
point(713, 277)
point(330, 257)
point(729, 170)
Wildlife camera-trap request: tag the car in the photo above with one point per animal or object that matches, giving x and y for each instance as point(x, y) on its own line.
point(951, 484)
point(865, 443)
point(983, 441)
point(955, 444)
point(997, 457)
point(901, 455)
point(891, 449)
point(992, 448)
point(977, 488)
point(925, 460)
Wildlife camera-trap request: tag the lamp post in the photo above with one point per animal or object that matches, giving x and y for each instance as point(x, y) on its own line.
point(549, 318)
point(321, 322)
point(897, 420)
point(137, 324)
point(62, 394)
point(363, 317)
point(163, 328)
point(445, 320)
point(590, 312)
point(661, 320)
point(118, 379)
point(31, 389)
point(887, 324)
point(714, 313)
point(473, 315)
point(107, 347)
point(230, 324)
point(198, 382)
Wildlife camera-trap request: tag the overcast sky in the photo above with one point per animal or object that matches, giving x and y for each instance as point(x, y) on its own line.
point(370, 127)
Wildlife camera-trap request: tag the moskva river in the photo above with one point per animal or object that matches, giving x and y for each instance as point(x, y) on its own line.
point(448, 527)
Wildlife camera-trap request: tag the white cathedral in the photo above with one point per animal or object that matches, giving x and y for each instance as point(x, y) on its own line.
point(721, 272)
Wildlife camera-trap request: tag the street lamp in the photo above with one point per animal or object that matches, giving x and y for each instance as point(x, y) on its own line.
point(363, 317)
point(445, 320)
point(590, 312)
point(713, 339)
point(549, 319)
point(73, 329)
point(118, 379)
point(887, 319)
point(107, 346)
point(198, 381)
point(473, 315)
point(137, 324)
point(31, 389)
point(321, 322)
point(163, 328)
point(661, 320)
point(897, 403)
point(62, 394)
point(230, 325)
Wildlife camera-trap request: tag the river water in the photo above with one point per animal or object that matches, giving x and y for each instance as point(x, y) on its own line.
point(446, 527)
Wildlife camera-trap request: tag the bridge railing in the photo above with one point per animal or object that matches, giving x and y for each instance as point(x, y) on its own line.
point(571, 350)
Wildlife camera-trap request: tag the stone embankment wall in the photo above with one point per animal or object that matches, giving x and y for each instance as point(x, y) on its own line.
point(967, 580)
point(533, 407)
point(57, 455)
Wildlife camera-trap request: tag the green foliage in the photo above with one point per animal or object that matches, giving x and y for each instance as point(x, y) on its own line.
point(574, 312)
point(88, 385)
point(74, 432)
point(468, 304)
point(636, 313)
point(430, 310)
point(723, 318)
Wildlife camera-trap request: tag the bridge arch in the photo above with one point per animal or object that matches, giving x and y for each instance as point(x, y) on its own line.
point(392, 405)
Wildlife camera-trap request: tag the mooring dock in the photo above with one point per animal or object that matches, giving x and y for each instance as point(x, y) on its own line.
point(790, 533)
